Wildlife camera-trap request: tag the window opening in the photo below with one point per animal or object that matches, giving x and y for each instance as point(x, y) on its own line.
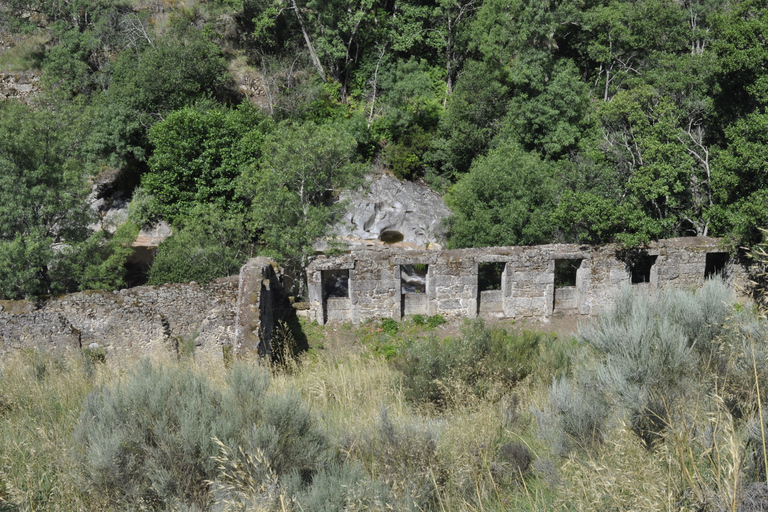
point(489, 276)
point(641, 269)
point(336, 283)
point(565, 272)
point(413, 278)
point(715, 264)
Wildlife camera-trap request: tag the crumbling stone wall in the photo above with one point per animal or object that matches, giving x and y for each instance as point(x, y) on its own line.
point(128, 323)
point(262, 303)
point(527, 287)
point(132, 323)
point(243, 313)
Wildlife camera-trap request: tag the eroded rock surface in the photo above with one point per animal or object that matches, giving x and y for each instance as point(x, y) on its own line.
point(20, 86)
point(390, 212)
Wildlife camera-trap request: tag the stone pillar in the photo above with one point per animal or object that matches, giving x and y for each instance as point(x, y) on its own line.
point(259, 306)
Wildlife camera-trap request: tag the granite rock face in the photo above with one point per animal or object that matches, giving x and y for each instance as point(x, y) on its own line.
point(390, 212)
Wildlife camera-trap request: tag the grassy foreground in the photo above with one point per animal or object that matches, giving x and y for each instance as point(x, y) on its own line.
point(655, 406)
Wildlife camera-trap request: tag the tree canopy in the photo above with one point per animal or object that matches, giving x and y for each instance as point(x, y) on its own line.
point(601, 121)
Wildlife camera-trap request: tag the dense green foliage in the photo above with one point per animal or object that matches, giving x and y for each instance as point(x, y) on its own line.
point(292, 190)
point(198, 154)
point(208, 244)
point(602, 121)
point(45, 244)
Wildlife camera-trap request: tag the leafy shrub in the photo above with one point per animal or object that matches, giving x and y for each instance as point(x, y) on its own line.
point(435, 320)
point(143, 208)
point(482, 362)
point(419, 319)
point(209, 244)
point(388, 350)
point(389, 326)
point(149, 439)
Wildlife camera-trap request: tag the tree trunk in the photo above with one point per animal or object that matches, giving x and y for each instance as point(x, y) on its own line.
point(312, 54)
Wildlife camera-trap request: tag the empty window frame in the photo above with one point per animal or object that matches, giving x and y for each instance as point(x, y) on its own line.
point(715, 264)
point(641, 268)
point(335, 284)
point(565, 272)
point(413, 278)
point(489, 276)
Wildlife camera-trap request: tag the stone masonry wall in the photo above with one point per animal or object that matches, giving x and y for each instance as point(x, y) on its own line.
point(129, 323)
point(242, 314)
point(262, 303)
point(527, 287)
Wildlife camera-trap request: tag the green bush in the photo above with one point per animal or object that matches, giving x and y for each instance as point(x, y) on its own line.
point(150, 438)
point(389, 326)
point(435, 320)
point(209, 244)
point(482, 362)
point(419, 319)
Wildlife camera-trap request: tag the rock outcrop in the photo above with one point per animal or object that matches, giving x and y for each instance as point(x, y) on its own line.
point(19, 86)
point(390, 212)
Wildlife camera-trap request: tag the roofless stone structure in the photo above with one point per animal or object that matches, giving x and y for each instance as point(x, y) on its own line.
point(506, 282)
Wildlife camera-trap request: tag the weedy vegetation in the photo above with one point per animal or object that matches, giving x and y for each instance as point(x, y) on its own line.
point(656, 405)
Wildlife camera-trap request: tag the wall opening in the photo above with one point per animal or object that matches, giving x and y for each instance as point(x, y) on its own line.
point(565, 272)
point(413, 289)
point(489, 294)
point(566, 295)
point(336, 303)
point(391, 236)
point(413, 278)
point(641, 268)
point(335, 283)
point(715, 264)
point(489, 276)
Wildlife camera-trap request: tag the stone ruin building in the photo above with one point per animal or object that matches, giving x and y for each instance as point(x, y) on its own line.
point(506, 282)
point(241, 315)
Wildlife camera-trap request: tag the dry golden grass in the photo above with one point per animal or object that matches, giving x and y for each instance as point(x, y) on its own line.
point(42, 399)
point(622, 476)
point(447, 460)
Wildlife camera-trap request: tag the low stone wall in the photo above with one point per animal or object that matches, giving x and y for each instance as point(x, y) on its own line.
point(129, 323)
point(238, 313)
point(527, 287)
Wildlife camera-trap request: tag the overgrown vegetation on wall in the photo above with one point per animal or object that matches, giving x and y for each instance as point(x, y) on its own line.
point(618, 121)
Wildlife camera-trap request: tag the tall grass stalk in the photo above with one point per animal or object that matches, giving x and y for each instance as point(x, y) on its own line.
point(42, 396)
point(760, 410)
